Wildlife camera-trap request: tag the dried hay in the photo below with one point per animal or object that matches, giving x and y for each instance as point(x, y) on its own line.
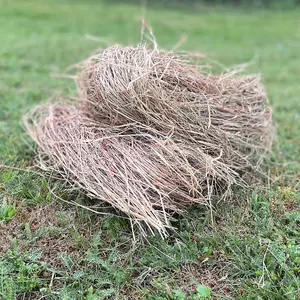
point(151, 134)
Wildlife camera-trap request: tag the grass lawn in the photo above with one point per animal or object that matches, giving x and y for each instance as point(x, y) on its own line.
point(53, 250)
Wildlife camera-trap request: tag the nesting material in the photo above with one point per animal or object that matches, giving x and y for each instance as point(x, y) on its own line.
point(152, 134)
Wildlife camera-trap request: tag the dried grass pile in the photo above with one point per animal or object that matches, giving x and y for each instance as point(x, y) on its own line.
point(152, 134)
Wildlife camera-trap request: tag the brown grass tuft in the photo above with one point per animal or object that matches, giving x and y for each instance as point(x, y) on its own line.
point(151, 134)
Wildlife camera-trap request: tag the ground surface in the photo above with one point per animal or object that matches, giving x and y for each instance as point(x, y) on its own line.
point(52, 249)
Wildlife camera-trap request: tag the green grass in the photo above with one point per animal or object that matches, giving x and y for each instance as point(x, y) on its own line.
point(52, 249)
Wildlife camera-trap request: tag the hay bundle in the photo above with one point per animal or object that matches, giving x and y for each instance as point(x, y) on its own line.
point(224, 115)
point(151, 134)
